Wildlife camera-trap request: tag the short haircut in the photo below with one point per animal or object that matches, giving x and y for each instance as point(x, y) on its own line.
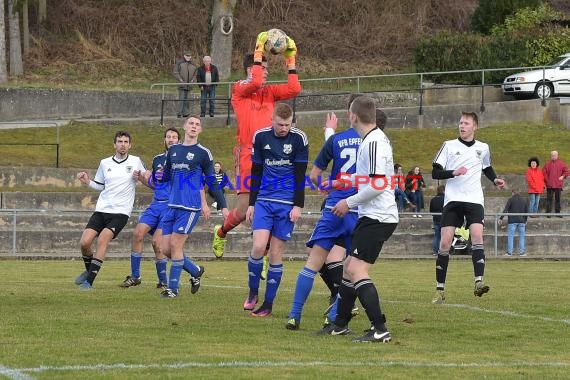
point(471, 115)
point(535, 159)
point(283, 110)
point(195, 116)
point(172, 129)
point(248, 61)
point(121, 134)
point(365, 109)
point(397, 166)
point(380, 119)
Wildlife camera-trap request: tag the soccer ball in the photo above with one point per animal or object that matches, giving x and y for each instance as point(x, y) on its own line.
point(276, 41)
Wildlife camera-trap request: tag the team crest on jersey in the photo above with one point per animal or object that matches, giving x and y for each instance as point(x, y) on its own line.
point(287, 148)
point(190, 156)
point(129, 169)
point(479, 153)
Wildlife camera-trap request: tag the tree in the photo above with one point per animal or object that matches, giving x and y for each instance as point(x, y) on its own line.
point(494, 12)
point(16, 64)
point(222, 28)
point(3, 67)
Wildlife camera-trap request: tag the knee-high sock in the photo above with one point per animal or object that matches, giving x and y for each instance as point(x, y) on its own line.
point(161, 270)
point(136, 258)
point(478, 258)
point(191, 267)
point(305, 281)
point(175, 271)
point(231, 222)
point(94, 269)
point(441, 268)
point(274, 274)
point(347, 296)
point(254, 267)
point(87, 262)
point(368, 297)
point(333, 276)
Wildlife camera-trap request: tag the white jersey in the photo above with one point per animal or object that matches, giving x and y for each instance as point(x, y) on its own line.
point(455, 154)
point(118, 196)
point(374, 158)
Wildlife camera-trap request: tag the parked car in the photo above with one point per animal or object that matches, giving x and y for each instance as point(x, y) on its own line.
point(553, 80)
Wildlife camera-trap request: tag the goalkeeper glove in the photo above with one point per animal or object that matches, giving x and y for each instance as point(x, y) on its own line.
point(260, 47)
point(290, 53)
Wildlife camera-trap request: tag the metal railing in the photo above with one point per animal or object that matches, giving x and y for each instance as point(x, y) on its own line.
point(11, 228)
point(57, 143)
point(351, 84)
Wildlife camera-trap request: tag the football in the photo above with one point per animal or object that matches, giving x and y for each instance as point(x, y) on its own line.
point(276, 41)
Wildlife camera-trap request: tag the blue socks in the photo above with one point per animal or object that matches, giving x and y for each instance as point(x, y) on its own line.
point(161, 270)
point(136, 258)
point(274, 274)
point(254, 268)
point(175, 271)
point(305, 281)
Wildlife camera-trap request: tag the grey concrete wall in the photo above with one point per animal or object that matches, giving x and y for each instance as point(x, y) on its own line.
point(31, 104)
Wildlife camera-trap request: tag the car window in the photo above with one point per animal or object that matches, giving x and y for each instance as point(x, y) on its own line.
point(558, 61)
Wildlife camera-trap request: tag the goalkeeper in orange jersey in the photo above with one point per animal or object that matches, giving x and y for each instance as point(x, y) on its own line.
point(253, 102)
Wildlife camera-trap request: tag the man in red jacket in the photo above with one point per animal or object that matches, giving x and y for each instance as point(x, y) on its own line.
point(555, 171)
point(253, 102)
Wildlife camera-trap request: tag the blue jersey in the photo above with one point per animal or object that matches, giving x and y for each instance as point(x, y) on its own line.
point(162, 190)
point(341, 148)
point(278, 155)
point(185, 168)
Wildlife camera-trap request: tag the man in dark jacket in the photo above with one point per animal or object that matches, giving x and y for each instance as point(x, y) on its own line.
point(515, 205)
point(184, 71)
point(207, 75)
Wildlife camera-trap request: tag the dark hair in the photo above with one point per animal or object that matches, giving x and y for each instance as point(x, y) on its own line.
point(352, 97)
point(440, 189)
point(381, 119)
point(121, 134)
point(365, 109)
point(535, 159)
point(172, 129)
point(396, 167)
point(472, 115)
point(248, 61)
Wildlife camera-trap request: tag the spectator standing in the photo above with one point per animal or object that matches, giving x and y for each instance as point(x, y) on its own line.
point(555, 171)
point(516, 223)
point(184, 71)
point(535, 182)
point(207, 75)
point(436, 206)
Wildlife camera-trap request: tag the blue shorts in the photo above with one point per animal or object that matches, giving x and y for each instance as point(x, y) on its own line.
point(274, 217)
point(153, 214)
point(179, 221)
point(331, 227)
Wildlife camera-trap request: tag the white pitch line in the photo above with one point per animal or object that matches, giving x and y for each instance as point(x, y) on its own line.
point(462, 306)
point(15, 374)
point(263, 364)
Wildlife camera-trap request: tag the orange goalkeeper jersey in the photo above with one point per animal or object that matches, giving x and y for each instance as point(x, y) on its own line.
point(253, 102)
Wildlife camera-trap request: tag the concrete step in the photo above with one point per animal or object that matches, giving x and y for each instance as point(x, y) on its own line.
point(54, 241)
point(76, 220)
point(69, 201)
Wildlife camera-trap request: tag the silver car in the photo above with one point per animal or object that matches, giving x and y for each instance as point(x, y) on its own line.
point(553, 79)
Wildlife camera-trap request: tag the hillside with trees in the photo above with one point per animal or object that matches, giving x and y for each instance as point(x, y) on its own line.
point(123, 41)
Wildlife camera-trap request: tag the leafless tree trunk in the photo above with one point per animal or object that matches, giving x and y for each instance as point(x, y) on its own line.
point(3, 67)
point(222, 36)
point(25, 27)
point(42, 11)
point(16, 64)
